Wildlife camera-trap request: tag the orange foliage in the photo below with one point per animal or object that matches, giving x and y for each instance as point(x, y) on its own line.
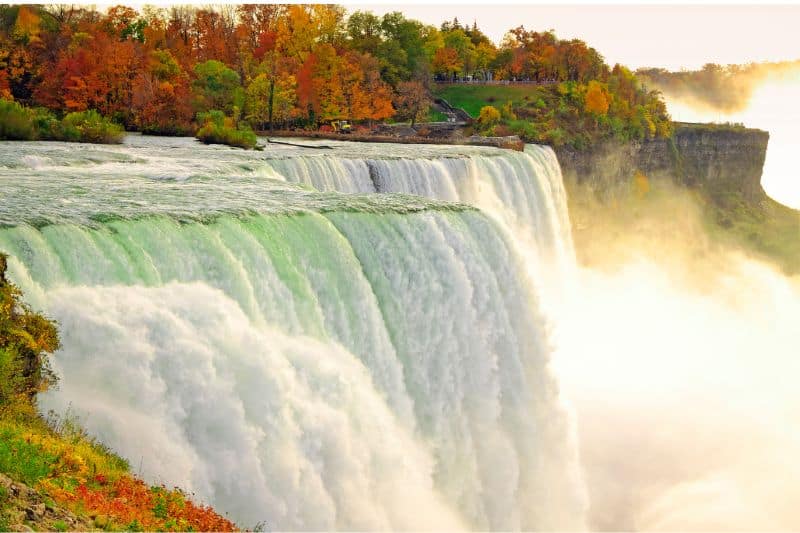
point(130, 503)
point(597, 99)
point(446, 61)
point(139, 67)
point(5, 88)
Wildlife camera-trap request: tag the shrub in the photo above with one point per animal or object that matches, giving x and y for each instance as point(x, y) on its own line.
point(26, 338)
point(488, 117)
point(48, 127)
point(16, 122)
point(555, 136)
point(507, 111)
point(91, 126)
point(528, 131)
point(219, 129)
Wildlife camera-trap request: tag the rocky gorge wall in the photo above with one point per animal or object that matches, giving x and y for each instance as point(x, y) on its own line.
point(719, 159)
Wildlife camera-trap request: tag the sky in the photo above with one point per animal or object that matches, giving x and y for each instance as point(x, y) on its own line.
point(670, 36)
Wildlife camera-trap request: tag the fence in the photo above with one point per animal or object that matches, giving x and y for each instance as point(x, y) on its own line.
point(496, 82)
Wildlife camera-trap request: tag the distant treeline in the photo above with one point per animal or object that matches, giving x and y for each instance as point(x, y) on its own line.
point(722, 88)
point(157, 70)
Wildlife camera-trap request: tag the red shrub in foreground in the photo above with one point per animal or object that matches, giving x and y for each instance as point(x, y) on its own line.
point(131, 504)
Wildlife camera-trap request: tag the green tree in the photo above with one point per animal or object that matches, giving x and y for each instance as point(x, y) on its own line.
point(217, 87)
point(407, 48)
point(365, 32)
point(459, 41)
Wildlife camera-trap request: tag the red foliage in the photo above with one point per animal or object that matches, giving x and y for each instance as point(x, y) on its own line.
point(307, 96)
point(129, 502)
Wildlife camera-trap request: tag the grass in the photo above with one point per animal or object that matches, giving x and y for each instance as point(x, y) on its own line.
point(714, 126)
point(436, 116)
point(471, 98)
point(21, 460)
point(5, 522)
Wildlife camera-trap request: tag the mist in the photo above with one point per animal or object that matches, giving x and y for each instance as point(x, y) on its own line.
point(679, 354)
point(764, 97)
point(724, 89)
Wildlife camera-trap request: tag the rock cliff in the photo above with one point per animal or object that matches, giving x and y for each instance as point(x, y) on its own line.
point(718, 159)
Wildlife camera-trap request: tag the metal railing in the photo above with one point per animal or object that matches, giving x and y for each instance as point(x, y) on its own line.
point(496, 82)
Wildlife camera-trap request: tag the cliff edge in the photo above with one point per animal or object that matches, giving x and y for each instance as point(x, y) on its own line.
point(717, 170)
point(717, 158)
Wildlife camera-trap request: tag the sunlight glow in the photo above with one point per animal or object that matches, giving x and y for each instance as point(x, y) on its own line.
point(774, 107)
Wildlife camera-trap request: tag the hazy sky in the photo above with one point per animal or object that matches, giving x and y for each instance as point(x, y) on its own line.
point(671, 36)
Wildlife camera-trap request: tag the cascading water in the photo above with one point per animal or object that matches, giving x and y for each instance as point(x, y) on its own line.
point(311, 359)
point(523, 192)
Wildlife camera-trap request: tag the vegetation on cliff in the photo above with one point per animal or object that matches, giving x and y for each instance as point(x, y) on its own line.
point(767, 228)
point(567, 113)
point(53, 476)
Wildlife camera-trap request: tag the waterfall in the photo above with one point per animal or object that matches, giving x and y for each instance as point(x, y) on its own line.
point(524, 192)
point(310, 359)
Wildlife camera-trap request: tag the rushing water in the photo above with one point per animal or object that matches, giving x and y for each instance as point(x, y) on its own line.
point(316, 339)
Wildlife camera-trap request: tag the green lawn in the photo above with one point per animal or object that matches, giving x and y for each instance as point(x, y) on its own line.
point(436, 116)
point(472, 98)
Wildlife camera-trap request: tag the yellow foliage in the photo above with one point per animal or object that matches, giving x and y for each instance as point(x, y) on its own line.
point(488, 117)
point(597, 98)
point(26, 27)
point(507, 111)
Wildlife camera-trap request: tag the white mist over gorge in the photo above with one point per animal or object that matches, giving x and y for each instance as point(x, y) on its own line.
point(399, 337)
point(772, 107)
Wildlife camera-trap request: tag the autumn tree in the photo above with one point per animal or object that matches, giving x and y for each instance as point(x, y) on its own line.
point(412, 100)
point(269, 100)
point(597, 99)
point(162, 96)
point(458, 41)
point(375, 101)
point(447, 62)
point(485, 54)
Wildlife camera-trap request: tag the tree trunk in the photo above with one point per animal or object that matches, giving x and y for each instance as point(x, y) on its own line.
point(271, 100)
